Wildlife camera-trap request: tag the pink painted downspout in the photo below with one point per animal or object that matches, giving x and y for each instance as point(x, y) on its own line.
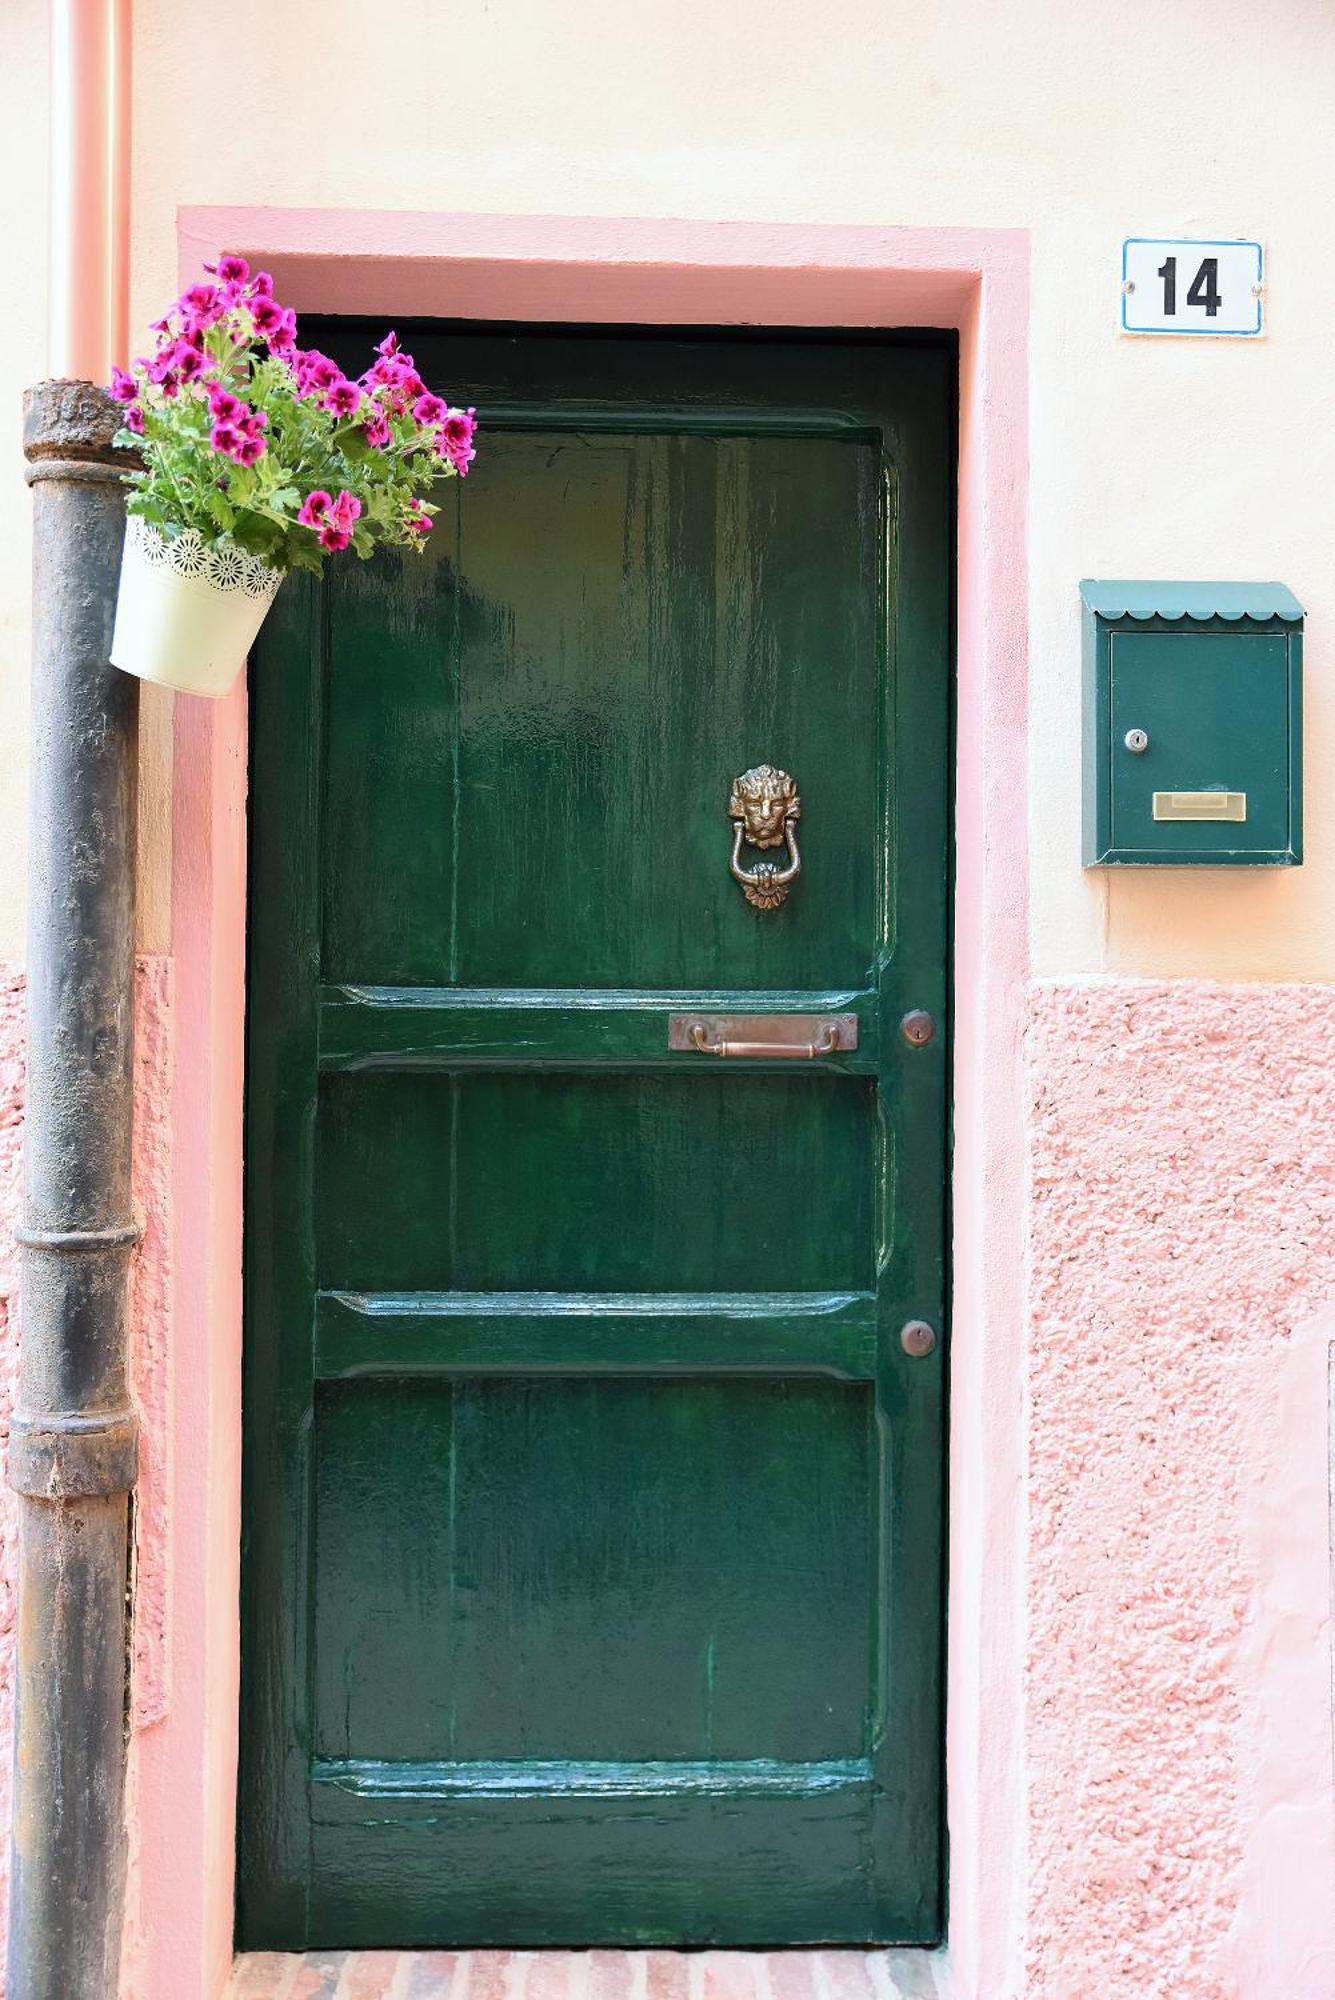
point(90, 188)
point(121, 185)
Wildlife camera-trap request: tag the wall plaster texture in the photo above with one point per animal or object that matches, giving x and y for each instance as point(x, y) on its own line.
point(150, 1348)
point(1178, 1697)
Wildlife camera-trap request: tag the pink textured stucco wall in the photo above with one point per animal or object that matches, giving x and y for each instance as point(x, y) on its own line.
point(1182, 1261)
point(149, 1364)
point(150, 1329)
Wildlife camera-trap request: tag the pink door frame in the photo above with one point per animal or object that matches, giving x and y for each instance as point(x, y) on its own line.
point(553, 268)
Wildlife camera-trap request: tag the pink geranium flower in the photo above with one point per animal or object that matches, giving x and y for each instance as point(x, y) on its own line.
point(230, 270)
point(376, 430)
point(202, 303)
point(266, 316)
point(123, 387)
point(227, 439)
point(224, 406)
point(316, 373)
point(397, 374)
point(343, 399)
point(333, 518)
point(460, 426)
point(456, 440)
point(430, 409)
point(134, 420)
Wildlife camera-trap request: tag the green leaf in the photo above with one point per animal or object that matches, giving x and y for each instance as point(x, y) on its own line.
point(253, 532)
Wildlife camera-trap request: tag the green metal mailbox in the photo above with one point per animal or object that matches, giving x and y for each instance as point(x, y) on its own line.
point(1192, 725)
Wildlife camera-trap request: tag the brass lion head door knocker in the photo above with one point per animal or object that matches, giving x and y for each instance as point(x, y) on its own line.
point(764, 809)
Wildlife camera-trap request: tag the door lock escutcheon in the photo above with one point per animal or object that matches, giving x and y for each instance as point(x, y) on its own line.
point(917, 1338)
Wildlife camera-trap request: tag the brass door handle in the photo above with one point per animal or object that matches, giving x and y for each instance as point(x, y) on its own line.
point(764, 809)
point(825, 1044)
point(802, 1037)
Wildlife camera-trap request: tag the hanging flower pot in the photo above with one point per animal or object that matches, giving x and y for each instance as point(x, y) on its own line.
point(187, 612)
point(258, 457)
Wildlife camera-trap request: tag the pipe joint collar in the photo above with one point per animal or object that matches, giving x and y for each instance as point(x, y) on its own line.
point(78, 1242)
point(68, 429)
point(73, 1455)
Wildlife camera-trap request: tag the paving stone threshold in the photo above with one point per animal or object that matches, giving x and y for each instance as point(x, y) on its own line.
point(589, 1975)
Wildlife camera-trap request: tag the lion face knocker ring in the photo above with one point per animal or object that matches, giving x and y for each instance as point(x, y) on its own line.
point(764, 809)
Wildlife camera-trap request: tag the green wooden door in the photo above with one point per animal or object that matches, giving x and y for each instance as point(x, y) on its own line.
point(593, 1509)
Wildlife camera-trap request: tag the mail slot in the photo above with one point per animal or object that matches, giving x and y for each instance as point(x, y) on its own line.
point(1201, 805)
point(1192, 725)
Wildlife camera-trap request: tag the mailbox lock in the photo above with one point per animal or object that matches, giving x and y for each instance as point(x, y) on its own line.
point(1136, 741)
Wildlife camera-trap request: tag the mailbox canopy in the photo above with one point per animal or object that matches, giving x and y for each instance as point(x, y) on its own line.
point(1192, 724)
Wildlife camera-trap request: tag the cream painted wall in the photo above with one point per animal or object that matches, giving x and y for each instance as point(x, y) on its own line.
point(1082, 120)
point(23, 182)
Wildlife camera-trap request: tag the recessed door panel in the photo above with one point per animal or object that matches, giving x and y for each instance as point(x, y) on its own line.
point(623, 1182)
point(696, 1550)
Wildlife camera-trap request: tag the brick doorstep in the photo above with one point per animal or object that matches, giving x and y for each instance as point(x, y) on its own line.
point(588, 1975)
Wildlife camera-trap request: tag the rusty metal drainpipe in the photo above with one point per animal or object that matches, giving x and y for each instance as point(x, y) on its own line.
point(73, 1450)
point(73, 1442)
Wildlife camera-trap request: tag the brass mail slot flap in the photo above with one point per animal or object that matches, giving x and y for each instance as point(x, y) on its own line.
point(762, 1035)
point(1200, 805)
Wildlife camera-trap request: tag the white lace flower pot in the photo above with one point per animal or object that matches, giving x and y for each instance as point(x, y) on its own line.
point(186, 614)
